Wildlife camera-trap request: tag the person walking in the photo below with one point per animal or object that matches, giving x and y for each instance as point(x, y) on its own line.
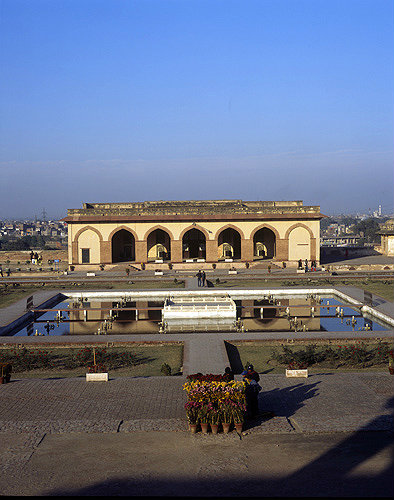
point(203, 278)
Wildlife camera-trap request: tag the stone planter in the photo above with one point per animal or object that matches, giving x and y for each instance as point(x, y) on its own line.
point(214, 428)
point(297, 373)
point(158, 273)
point(97, 377)
point(239, 427)
point(204, 428)
point(226, 427)
point(233, 272)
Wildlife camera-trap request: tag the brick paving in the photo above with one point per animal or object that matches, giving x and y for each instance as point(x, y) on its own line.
point(31, 410)
point(319, 403)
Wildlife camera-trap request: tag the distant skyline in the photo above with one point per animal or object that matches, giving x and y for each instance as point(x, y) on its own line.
point(121, 100)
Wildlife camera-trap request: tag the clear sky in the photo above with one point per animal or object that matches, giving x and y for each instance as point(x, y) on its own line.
point(122, 100)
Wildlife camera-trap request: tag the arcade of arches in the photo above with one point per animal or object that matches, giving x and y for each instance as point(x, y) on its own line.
point(89, 245)
point(193, 231)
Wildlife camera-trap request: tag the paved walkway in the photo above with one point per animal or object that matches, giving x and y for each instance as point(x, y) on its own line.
point(70, 437)
point(319, 403)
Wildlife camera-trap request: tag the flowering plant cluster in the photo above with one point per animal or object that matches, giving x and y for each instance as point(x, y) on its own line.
point(213, 401)
point(98, 368)
point(296, 365)
point(207, 378)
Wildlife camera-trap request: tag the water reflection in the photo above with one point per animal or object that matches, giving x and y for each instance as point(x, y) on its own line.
point(268, 314)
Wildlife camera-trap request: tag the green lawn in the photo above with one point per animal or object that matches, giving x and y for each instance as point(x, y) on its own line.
point(148, 360)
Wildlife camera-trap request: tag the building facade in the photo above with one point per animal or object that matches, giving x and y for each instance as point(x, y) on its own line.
point(193, 231)
point(387, 238)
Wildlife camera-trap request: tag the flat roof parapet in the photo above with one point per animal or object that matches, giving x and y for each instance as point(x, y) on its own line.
point(194, 207)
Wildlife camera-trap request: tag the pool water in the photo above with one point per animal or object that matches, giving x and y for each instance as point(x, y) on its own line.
point(258, 314)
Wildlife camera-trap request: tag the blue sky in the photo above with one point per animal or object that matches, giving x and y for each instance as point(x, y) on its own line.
point(121, 100)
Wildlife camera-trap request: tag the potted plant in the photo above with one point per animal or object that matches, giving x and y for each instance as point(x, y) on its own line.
point(297, 369)
point(204, 416)
point(391, 362)
point(226, 416)
point(214, 419)
point(239, 410)
point(192, 408)
point(213, 266)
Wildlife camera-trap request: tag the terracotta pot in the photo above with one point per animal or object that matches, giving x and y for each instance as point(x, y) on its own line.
point(193, 428)
point(391, 370)
point(214, 428)
point(226, 427)
point(238, 427)
point(2, 380)
point(204, 428)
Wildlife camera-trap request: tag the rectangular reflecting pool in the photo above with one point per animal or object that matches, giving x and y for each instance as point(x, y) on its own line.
point(90, 314)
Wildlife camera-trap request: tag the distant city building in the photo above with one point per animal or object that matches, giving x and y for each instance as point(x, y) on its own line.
point(193, 231)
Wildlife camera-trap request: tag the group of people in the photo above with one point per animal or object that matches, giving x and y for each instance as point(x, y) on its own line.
point(252, 389)
point(35, 258)
point(313, 265)
point(201, 278)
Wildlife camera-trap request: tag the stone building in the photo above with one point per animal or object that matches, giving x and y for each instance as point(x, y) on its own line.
point(387, 237)
point(183, 232)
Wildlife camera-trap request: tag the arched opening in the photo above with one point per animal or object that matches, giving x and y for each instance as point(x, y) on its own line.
point(299, 244)
point(229, 244)
point(159, 245)
point(123, 246)
point(264, 244)
point(193, 245)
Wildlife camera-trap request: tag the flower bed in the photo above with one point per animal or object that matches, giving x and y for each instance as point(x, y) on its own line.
point(214, 400)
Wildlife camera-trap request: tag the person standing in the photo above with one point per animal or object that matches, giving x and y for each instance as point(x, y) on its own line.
point(203, 278)
point(228, 374)
point(300, 264)
point(198, 278)
point(252, 391)
point(306, 265)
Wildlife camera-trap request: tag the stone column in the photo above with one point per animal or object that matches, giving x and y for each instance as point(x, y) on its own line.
point(313, 249)
point(176, 251)
point(141, 251)
point(74, 256)
point(249, 312)
point(105, 252)
point(246, 250)
point(211, 252)
point(282, 249)
point(142, 314)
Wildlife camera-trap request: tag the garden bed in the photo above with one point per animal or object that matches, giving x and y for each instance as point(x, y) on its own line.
point(345, 355)
point(137, 360)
